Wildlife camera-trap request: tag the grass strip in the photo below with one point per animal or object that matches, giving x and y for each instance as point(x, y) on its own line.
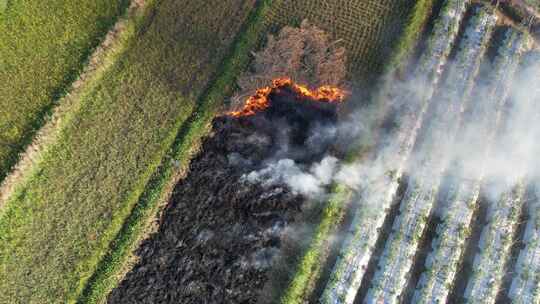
point(410, 38)
point(176, 161)
point(44, 46)
point(59, 224)
point(313, 259)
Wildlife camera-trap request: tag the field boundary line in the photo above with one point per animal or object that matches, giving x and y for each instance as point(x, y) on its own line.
point(104, 56)
point(119, 259)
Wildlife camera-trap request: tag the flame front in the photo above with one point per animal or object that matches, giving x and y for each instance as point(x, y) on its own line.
point(260, 100)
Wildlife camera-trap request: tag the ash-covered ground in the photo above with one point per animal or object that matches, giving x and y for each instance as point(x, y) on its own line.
point(220, 233)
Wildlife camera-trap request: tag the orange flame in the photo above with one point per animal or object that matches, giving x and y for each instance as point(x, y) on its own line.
point(260, 101)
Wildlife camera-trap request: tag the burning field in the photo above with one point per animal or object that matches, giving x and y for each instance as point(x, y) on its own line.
point(222, 229)
point(442, 208)
point(377, 151)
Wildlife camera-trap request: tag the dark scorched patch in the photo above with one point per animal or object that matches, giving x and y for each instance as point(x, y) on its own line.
point(219, 234)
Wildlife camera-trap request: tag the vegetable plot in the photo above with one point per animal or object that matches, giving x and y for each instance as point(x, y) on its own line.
point(495, 244)
point(430, 162)
point(503, 215)
point(448, 246)
point(525, 287)
point(377, 198)
point(431, 286)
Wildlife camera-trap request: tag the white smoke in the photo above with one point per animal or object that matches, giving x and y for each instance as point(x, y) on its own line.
point(309, 181)
point(511, 154)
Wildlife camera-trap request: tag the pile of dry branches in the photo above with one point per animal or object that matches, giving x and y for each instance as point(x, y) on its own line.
point(305, 54)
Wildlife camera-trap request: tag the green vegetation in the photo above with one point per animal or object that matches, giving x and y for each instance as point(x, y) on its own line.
point(43, 48)
point(314, 258)
point(411, 35)
point(185, 145)
point(60, 223)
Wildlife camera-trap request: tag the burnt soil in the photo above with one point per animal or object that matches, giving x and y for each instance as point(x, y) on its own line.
point(219, 235)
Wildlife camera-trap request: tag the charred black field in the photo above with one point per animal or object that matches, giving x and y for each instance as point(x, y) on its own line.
point(220, 233)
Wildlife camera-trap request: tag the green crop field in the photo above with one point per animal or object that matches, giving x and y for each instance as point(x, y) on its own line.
point(89, 180)
point(43, 47)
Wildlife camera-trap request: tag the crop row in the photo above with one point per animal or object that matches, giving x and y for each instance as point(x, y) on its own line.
point(503, 215)
point(410, 38)
point(377, 197)
point(477, 35)
point(430, 161)
point(442, 262)
point(364, 29)
point(495, 244)
point(525, 287)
